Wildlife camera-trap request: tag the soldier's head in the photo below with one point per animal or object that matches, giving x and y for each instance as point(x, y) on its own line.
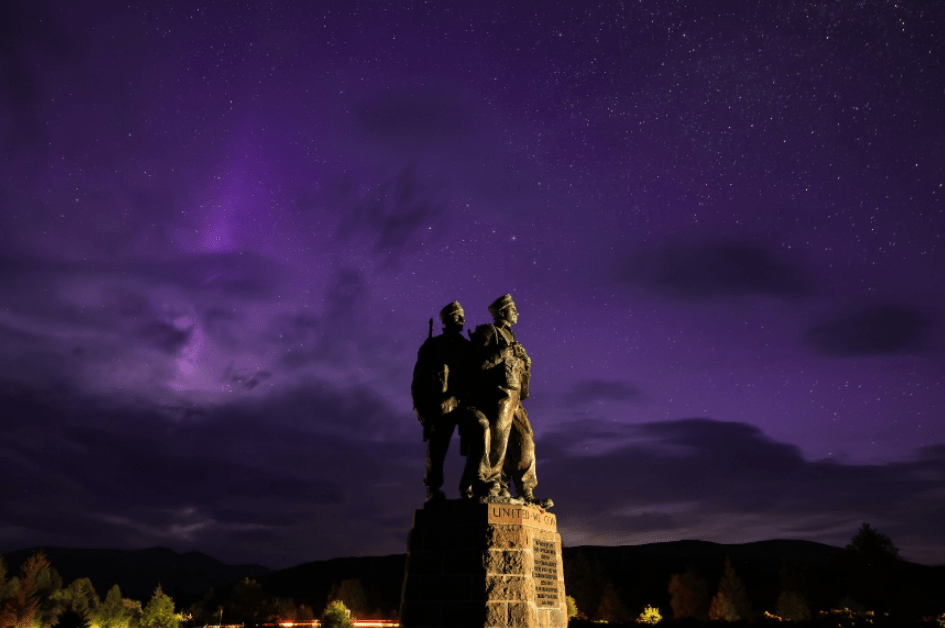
point(452, 317)
point(503, 311)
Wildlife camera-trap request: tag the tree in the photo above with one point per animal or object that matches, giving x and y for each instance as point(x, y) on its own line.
point(572, 607)
point(112, 612)
point(792, 605)
point(650, 615)
point(80, 600)
point(610, 608)
point(689, 595)
point(731, 602)
point(36, 601)
point(870, 544)
point(873, 563)
point(247, 603)
point(336, 616)
point(159, 613)
point(352, 594)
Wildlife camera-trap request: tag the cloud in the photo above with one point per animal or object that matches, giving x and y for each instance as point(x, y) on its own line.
point(395, 216)
point(729, 482)
point(716, 270)
point(282, 479)
point(885, 329)
point(591, 391)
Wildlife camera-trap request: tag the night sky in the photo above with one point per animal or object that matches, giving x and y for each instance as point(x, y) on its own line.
point(224, 227)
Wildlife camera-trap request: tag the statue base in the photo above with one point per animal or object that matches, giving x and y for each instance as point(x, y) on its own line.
point(491, 565)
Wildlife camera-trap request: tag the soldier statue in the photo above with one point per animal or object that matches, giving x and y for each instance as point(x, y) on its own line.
point(440, 383)
point(504, 445)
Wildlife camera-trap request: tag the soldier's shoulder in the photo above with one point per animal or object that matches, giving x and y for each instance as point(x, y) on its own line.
point(486, 329)
point(484, 333)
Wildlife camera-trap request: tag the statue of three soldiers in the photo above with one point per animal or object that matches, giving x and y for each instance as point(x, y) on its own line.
point(477, 385)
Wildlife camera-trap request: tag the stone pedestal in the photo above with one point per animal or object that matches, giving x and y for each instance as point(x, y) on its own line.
point(472, 565)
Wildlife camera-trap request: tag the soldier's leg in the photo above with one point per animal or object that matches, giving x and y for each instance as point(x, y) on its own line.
point(440, 436)
point(476, 436)
point(500, 428)
point(521, 456)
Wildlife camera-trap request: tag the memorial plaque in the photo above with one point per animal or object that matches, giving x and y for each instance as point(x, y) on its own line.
point(546, 573)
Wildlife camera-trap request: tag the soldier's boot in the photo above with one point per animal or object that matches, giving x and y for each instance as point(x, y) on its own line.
point(531, 500)
point(435, 494)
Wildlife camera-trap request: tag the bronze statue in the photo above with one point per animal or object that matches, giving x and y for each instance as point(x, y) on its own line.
point(504, 445)
point(440, 382)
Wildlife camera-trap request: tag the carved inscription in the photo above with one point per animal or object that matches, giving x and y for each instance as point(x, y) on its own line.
point(546, 573)
point(527, 516)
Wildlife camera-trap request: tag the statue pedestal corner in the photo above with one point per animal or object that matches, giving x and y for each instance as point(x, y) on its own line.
point(473, 565)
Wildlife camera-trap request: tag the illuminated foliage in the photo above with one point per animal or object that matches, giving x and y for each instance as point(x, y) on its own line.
point(336, 616)
point(36, 600)
point(112, 612)
point(352, 594)
point(731, 602)
point(159, 613)
point(650, 615)
point(572, 607)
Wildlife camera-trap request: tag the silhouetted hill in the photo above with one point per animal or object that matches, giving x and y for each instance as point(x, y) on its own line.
point(310, 583)
point(640, 574)
point(184, 576)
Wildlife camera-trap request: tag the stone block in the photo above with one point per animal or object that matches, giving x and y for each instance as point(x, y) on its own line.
point(511, 562)
point(508, 537)
point(412, 588)
point(425, 563)
point(557, 618)
point(497, 615)
point(446, 588)
point(522, 615)
point(463, 561)
point(510, 588)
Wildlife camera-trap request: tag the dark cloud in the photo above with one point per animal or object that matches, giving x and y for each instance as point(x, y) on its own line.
point(290, 477)
point(164, 336)
point(394, 215)
point(716, 270)
point(295, 467)
point(693, 473)
point(885, 329)
point(590, 391)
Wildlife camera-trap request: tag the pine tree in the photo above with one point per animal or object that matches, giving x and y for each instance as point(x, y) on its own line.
point(159, 613)
point(81, 599)
point(731, 602)
point(792, 605)
point(37, 600)
point(873, 563)
point(688, 595)
point(112, 612)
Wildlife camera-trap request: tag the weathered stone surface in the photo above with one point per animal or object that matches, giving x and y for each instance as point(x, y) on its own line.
point(497, 615)
point(557, 619)
point(511, 588)
point(508, 537)
point(473, 574)
point(507, 562)
point(522, 615)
